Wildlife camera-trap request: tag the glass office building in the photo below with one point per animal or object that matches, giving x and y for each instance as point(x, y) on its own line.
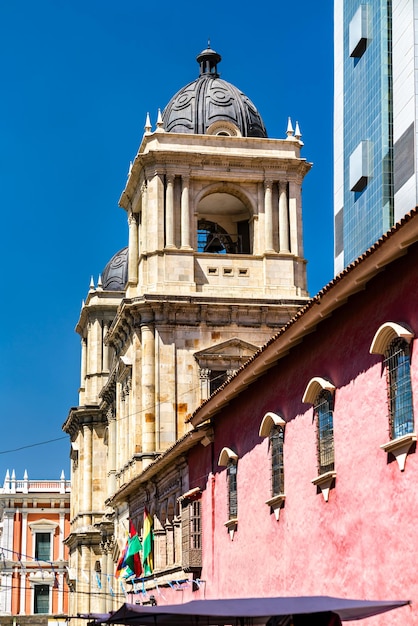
point(375, 166)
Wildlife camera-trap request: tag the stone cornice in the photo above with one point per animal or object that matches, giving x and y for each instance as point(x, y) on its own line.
point(166, 310)
point(99, 304)
point(80, 416)
point(225, 156)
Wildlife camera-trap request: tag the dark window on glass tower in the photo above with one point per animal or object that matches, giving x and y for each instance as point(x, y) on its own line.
point(325, 431)
point(398, 373)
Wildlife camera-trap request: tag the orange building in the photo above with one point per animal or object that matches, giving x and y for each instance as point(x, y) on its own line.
point(34, 520)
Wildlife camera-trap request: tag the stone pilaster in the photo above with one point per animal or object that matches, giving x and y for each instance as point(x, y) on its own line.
point(204, 384)
point(185, 212)
point(284, 244)
point(148, 387)
point(268, 215)
point(169, 211)
point(133, 249)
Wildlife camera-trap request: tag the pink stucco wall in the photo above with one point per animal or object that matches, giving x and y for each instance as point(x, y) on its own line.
point(363, 542)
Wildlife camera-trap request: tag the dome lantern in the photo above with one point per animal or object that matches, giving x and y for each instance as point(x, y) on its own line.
point(208, 60)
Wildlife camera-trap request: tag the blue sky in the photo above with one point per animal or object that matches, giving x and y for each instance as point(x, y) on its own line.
point(78, 77)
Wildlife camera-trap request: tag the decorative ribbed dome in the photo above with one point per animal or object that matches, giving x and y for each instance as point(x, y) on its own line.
point(115, 274)
point(210, 104)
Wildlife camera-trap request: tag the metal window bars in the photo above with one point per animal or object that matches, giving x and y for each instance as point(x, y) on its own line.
point(398, 376)
point(325, 431)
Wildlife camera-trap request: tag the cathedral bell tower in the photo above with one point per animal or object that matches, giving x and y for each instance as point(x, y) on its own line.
point(213, 204)
point(213, 268)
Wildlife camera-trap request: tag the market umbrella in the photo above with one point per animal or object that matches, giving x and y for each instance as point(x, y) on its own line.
point(258, 610)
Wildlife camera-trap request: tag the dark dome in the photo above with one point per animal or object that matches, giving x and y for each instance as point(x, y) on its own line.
point(210, 100)
point(115, 274)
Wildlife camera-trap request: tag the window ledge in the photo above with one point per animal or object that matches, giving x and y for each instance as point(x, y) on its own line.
point(400, 447)
point(276, 503)
point(324, 482)
point(231, 525)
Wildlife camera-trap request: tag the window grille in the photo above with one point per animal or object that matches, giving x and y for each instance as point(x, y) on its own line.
point(41, 600)
point(398, 373)
point(325, 431)
point(43, 546)
point(277, 468)
point(232, 489)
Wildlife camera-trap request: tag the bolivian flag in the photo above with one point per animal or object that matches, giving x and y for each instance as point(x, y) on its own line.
point(147, 543)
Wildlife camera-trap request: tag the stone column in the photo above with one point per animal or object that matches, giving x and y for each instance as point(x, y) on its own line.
point(204, 384)
point(24, 533)
point(160, 547)
point(60, 593)
point(84, 581)
point(144, 217)
point(86, 472)
point(268, 215)
point(177, 539)
point(111, 452)
point(103, 577)
point(295, 219)
point(106, 364)
point(22, 583)
point(148, 387)
point(170, 543)
point(126, 388)
point(133, 249)
point(185, 212)
point(169, 212)
point(283, 218)
point(83, 361)
point(62, 535)
point(110, 570)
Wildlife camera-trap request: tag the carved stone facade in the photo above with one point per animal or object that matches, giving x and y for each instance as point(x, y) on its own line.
point(215, 267)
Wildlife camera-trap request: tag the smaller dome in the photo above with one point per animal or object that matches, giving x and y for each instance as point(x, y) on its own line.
point(115, 274)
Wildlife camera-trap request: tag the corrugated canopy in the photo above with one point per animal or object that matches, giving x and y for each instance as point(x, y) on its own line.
point(258, 610)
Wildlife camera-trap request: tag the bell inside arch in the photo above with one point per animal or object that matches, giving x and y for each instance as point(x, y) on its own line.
point(214, 244)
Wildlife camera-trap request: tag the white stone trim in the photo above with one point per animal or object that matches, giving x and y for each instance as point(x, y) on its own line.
point(386, 333)
point(314, 387)
point(227, 455)
point(269, 420)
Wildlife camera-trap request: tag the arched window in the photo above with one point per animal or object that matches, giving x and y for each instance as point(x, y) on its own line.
point(320, 393)
point(211, 237)
point(272, 426)
point(398, 372)
point(393, 342)
point(229, 459)
point(323, 408)
point(231, 469)
point(277, 468)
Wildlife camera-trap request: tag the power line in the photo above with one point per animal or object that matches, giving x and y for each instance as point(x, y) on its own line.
point(32, 445)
